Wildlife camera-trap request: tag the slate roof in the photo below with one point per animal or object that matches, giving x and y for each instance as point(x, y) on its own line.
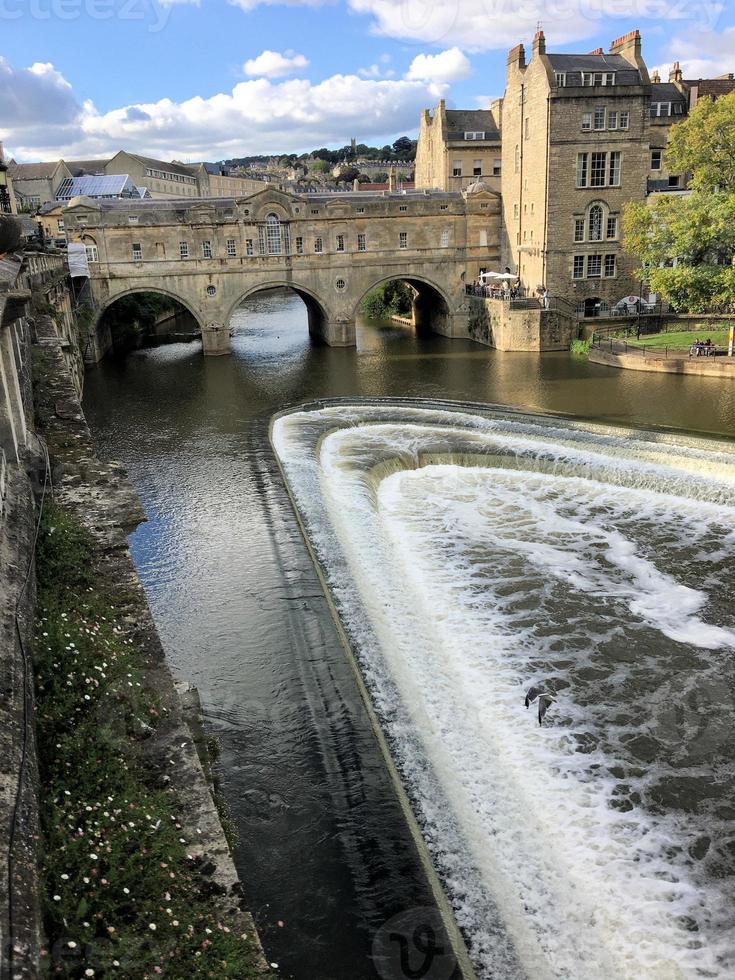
point(32, 171)
point(461, 121)
point(573, 64)
point(711, 86)
point(80, 168)
point(171, 168)
point(667, 92)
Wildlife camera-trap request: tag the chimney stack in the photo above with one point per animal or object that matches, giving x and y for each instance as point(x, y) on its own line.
point(539, 43)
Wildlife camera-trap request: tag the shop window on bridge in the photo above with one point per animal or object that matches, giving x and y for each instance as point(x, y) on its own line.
point(318, 246)
point(183, 250)
point(340, 243)
point(362, 243)
point(91, 251)
point(231, 248)
point(299, 245)
point(403, 239)
point(137, 252)
point(206, 250)
point(444, 240)
point(273, 234)
point(249, 250)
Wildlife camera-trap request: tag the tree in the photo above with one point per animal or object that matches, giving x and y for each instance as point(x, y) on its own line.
point(347, 175)
point(404, 148)
point(704, 144)
point(380, 177)
point(686, 244)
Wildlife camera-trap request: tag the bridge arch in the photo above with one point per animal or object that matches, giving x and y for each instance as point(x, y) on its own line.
point(432, 307)
point(319, 314)
point(101, 332)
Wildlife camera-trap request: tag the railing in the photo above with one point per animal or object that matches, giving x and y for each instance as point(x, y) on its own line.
point(618, 346)
point(494, 292)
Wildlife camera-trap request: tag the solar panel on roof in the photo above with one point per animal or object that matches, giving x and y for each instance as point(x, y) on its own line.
point(101, 185)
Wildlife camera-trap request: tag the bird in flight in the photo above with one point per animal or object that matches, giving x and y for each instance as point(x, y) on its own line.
point(544, 699)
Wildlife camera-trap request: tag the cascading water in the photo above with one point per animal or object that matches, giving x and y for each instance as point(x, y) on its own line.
point(472, 554)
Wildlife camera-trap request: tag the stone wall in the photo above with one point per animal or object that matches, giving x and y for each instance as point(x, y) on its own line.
point(499, 324)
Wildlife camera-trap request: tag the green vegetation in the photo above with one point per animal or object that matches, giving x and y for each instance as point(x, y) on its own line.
point(132, 317)
point(403, 150)
point(580, 347)
point(681, 340)
point(395, 297)
point(696, 231)
point(123, 896)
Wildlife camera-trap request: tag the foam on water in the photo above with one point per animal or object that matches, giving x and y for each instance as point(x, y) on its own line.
point(473, 554)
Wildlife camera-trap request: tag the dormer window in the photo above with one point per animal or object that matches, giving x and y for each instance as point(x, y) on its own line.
point(598, 77)
point(474, 135)
point(561, 78)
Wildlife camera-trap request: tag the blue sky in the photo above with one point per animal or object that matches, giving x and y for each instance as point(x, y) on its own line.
point(214, 78)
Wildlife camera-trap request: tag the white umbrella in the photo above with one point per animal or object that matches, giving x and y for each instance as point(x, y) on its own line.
point(499, 276)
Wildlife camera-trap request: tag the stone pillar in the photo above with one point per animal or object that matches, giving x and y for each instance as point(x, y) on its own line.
point(215, 339)
point(333, 333)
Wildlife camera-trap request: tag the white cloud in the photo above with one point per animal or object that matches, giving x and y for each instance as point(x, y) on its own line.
point(273, 64)
point(702, 54)
point(447, 66)
point(482, 25)
point(42, 118)
point(252, 4)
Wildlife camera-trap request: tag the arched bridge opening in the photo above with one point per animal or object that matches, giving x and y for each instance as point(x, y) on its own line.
point(316, 320)
point(409, 298)
point(143, 318)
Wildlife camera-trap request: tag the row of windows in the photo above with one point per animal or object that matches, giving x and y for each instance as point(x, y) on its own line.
point(594, 266)
point(271, 245)
point(166, 175)
point(588, 78)
point(599, 169)
point(604, 118)
point(476, 169)
point(666, 109)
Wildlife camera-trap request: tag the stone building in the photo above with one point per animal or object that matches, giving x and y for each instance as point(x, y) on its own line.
point(215, 180)
point(582, 135)
point(36, 183)
point(458, 147)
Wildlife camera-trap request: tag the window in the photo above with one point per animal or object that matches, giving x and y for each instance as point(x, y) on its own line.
point(231, 248)
point(586, 120)
point(403, 239)
point(315, 210)
point(207, 250)
point(60, 224)
point(579, 229)
point(211, 290)
point(318, 246)
point(578, 267)
point(582, 166)
point(132, 219)
point(674, 180)
point(457, 168)
point(561, 78)
point(517, 159)
point(474, 136)
point(249, 250)
point(612, 226)
point(362, 243)
point(444, 240)
point(483, 238)
point(403, 207)
point(340, 284)
point(515, 210)
point(612, 119)
point(660, 109)
point(299, 245)
point(91, 251)
point(610, 266)
point(597, 170)
point(594, 266)
point(477, 168)
point(496, 168)
point(360, 210)
point(595, 223)
point(598, 77)
point(443, 207)
point(656, 157)
point(183, 250)
point(615, 169)
point(340, 243)
point(600, 117)
point(137, 252)
point(624, 120)
point(273, 233)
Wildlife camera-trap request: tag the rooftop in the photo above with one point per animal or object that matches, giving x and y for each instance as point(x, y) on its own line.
point(32, 171)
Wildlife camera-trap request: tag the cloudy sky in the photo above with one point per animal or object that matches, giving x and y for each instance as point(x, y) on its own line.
point(207, 79)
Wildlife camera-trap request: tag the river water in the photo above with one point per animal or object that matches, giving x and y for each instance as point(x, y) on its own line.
point(470, 554)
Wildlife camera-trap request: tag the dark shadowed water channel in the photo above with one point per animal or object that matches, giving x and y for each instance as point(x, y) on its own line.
point(324, 852)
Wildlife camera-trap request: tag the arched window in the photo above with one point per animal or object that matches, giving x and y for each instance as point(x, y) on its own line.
point(595, 223)
point(273, 234)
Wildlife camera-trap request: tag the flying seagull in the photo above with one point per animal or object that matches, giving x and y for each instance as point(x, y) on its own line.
point(544, 700)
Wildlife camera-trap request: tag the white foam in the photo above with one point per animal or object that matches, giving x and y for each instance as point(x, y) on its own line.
point(457, 583)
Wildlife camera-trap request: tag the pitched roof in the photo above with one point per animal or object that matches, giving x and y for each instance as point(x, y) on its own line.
point(106, 185)
point(667, 92)
point(79, 168)
point(172, 168)
point(711, 86)
point(471, 120)
point(626, 73)
point(32, 171)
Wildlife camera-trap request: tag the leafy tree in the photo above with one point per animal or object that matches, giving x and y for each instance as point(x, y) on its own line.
point(380, 178)
point(686, 244)
point(347, 175)
point(704, 144)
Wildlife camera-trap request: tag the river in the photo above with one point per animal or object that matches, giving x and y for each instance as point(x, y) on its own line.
point(325, 853)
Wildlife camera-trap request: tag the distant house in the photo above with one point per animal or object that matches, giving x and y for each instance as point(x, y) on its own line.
point(163, 180)
point(37, 183)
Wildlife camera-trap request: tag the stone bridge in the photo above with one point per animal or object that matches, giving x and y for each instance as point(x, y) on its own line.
point(332, 249)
